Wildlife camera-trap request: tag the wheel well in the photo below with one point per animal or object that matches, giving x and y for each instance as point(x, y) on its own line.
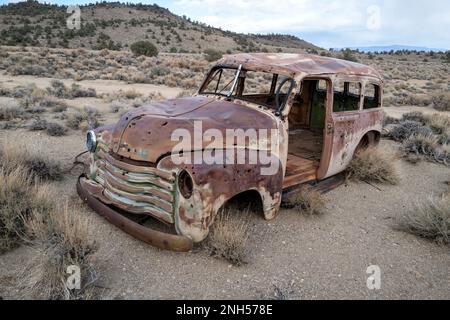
point(370, 139)
point(250, 199)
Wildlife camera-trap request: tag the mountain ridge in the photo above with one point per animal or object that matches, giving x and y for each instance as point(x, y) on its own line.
point(115, 25)
point(394, 47)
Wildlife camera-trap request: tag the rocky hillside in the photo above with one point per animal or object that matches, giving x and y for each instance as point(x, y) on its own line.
point(116, 26)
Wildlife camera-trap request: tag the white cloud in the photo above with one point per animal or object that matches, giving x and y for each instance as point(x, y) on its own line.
point(330, 22)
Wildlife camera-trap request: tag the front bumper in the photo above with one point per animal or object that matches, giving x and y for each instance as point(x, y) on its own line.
point(155, 238)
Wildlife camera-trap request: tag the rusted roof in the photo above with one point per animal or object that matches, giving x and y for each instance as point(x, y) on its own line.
point(297, 64)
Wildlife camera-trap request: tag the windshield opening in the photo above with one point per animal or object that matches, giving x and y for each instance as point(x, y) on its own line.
point(267, 89)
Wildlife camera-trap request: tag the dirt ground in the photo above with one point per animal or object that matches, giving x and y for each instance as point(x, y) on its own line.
point(323, 257)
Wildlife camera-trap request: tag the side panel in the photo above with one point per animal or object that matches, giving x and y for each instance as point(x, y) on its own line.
point(349, 129)
point(344, 130)
point(215, 184)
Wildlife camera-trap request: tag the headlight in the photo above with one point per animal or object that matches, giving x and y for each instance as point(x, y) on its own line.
point(91, 141)
point(185, 184)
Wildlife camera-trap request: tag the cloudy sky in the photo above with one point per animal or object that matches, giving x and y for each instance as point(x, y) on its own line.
point(327, 23)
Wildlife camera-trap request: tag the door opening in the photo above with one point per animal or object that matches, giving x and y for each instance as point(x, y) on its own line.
point(306, 132)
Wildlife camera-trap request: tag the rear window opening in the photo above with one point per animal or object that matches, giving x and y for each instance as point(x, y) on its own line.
point(372, 97)
point(347, 96)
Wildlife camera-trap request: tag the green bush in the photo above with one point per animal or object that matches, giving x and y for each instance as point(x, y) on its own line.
point(212, 55)
point(348, 55)
point(144, 48)
point(447, 57)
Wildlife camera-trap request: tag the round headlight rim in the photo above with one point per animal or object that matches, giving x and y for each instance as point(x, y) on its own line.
point(91, 141)
point(185, 184)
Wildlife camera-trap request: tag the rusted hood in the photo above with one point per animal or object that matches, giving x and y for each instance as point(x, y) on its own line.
point(145, 133)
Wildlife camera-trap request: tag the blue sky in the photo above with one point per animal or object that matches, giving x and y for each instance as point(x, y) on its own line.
point(327, 23)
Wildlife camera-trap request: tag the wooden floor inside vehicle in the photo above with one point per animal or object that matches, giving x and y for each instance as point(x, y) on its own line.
point(305, 150)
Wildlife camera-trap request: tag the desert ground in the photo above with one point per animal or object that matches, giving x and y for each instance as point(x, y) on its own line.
point(293, 257)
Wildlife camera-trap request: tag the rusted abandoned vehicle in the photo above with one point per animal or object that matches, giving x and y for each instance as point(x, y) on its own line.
point(322, 111)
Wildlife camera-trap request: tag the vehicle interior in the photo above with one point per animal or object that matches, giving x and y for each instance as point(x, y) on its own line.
point(265, 89)
point(306, 118)
point(307, 123)
point(306, 132)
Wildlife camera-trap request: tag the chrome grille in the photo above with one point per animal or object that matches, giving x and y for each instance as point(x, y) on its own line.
point(137, 189)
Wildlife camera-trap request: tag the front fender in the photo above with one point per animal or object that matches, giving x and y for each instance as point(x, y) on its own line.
point(214, 185)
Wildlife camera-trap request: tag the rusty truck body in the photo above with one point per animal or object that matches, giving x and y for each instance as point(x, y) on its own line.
point(322, 110)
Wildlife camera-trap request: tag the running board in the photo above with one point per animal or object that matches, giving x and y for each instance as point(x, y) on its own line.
point(323, 186)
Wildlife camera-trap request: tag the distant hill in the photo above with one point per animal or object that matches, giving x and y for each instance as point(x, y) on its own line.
point(395, 48)
point(116, 26)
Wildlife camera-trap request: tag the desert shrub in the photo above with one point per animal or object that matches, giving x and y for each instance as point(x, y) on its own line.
point(36, 164)
point(76, 91)
point(159, 71)
point(375, 165)
point(38, 125)
point(446, 57)
point(305, 200)
point(61, 238)
point(34, 97)
point(389, 120)
point(425, 144)
point(441, 102)
point(405, 129)
point(6, 125)
point(414, 116)
point(229, 236)
point(118, 107)
point(59, 90)
point(73, 120)
point(212, 55)
point(348, 55)
point(283, 292)
point(86, 119)
point(184, 94)
point(53, 103)
point(12, 111)
point(429, 146)
point(430, 220)
point(131, 94)
point(19, 197)
point(55, 130)
point(438, 123)
point(144, 48)
point(22, 91)
point(60, 107)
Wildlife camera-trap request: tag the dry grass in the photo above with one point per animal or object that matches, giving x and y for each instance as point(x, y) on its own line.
point(38, 125)
point(429, 146)
point(36, 165)
point(424, 144)
point(19, 197)
point(86, 119)
point(424, 135)
point(12, 111)
point(441, 102)
point(55, 130)
point(408, 128)
point(305, 200)
point(61, 238)
point(229, 236)
point(430, 220)
point(59, 90)
point(375, 165)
